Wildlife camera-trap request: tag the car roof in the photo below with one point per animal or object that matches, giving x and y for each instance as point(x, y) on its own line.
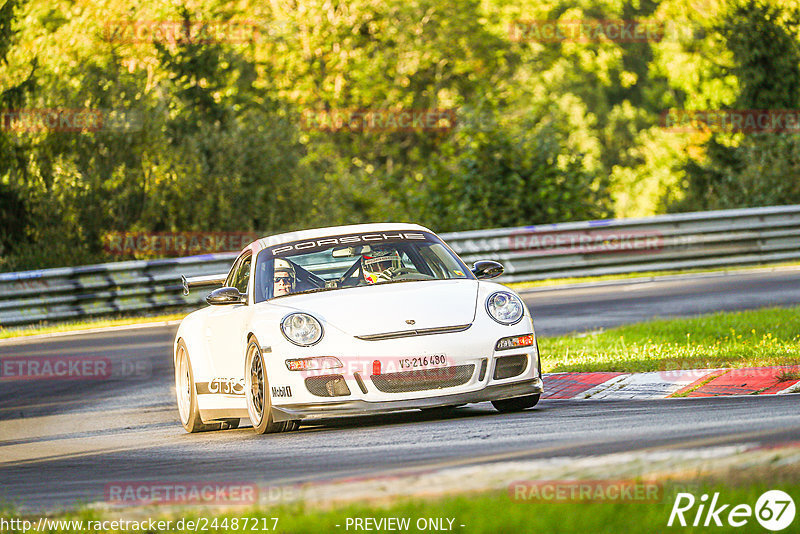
point(315, 233)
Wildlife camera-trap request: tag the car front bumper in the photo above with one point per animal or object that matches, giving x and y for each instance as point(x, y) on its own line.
point(287, 412)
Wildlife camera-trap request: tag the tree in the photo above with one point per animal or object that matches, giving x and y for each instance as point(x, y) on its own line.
point(15, 216)
point(758, 168)
point(500, 172)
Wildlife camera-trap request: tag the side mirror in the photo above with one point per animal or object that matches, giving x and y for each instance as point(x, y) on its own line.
point(485, 269)
point(226, 295)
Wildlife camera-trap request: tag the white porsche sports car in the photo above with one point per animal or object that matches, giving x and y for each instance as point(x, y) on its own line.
point(361, 319)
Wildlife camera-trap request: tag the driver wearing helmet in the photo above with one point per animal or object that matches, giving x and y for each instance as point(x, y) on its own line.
point(284, 278)
point(379, 265)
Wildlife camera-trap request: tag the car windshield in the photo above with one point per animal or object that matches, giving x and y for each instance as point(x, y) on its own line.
point(354, 260)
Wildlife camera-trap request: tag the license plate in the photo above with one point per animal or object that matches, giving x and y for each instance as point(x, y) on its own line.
point(424, 362)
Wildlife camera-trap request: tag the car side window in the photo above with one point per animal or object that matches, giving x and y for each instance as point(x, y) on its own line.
point(231, 280)
point(242, 275)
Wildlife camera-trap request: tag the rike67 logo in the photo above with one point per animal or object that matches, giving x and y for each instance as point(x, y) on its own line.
point(774, 510)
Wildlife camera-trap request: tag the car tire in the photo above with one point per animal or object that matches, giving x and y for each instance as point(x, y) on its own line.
point(259, 404)
point(517, 404)
point(186, 393)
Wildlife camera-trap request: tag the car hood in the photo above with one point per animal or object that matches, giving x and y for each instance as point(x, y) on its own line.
point(391, 307)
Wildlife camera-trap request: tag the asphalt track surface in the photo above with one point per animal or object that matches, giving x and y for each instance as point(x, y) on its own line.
point(62, 441)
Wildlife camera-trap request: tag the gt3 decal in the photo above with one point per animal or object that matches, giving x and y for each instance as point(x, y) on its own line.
point(226, 386)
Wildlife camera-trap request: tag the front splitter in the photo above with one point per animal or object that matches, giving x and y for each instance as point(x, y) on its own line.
point(288, 412)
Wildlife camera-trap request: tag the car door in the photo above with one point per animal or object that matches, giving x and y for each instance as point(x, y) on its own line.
point(226, 324)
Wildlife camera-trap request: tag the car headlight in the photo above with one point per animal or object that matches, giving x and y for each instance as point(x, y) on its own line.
point(301, 329)
point(505, 307)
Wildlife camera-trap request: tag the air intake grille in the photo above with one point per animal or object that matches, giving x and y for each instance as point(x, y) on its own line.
point(445, 377)
point(509, 366)
point(327, 386)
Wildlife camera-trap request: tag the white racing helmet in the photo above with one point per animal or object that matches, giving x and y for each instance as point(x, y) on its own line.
point(376, 263)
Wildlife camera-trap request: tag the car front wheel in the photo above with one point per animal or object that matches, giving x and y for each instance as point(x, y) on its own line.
point(259, 405)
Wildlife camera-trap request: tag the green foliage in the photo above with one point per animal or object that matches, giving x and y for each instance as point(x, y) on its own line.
point(204, 135)
point(15, 217)
point(763, 39)
point(7, 30)
point(510, 171)
point(754, 169)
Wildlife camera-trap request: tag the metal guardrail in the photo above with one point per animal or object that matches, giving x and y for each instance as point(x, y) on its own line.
point(75, 292)
point(587, 248)
point(616, 246)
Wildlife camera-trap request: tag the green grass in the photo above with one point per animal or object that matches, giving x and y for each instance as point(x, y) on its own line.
point(43, 328)
point(490, 512)
point(755, 338)
point(518, 286)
